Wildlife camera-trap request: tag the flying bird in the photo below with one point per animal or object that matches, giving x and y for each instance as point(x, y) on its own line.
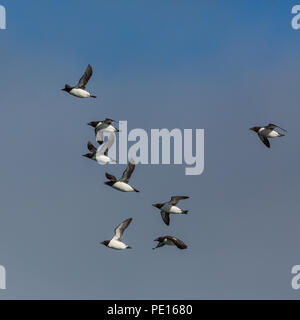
point(122, 184)
point(101, 127)
point(101, 156)
point(267, 132)
point(170, 207)
point(170, 241)
point(116, 241)
point(79, 91)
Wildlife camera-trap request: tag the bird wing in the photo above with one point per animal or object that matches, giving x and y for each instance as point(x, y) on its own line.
point(91, 147)
point(85, 78)
point(174, 200)
point(178, 243)
point(272, 126)
point(121, 228)
point(99, 136)
point(107, 145)
point(109, 121)
point(110, 177)
point(166, 217)
point(264, 140)
point(128, 172)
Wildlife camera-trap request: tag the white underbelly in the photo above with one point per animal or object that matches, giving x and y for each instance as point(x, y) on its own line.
point(110, 128)
point(268, 133)
point(117, 245)
point(171, 209)
point(80, 93)
point(103, 159)
point(122, 186)
point(273, 134)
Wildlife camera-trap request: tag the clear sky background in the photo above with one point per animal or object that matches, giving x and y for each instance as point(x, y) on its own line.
point(222, 66)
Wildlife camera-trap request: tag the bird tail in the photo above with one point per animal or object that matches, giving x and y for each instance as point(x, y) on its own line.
point(93, 96)
point(185, 211)
point(135, 190)
point(281, 135)
point(128, 247)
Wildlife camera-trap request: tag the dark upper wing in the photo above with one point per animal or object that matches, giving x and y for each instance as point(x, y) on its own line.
point(91, 147)
point(121, 228)
point(166, 217)
point(272, 126)
point(160, 239)
point(128, 172)
point(178, 243)
point(264, 140)
point(174, 200)
point(85, 78)
point(110, 177)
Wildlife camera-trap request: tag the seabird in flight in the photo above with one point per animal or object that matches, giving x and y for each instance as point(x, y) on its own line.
point(101, 127)
point(116, 242)
point(170, 207)
point(122, 184)
point(267, 132)
point(170, 241)
point(79, 91)
point(101, 154)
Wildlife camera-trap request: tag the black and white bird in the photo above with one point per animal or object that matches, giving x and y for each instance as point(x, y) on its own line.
point(267, 132)
point(79, 91)
point(101, 127)
point(170, 241)
point(101, 155)
point(116, 242)
point(170, 207)
point(122, 184)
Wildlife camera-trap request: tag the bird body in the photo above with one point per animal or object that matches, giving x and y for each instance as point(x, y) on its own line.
point(122, 186)
point(171, 209)
point(79, 93)
point(117, 245)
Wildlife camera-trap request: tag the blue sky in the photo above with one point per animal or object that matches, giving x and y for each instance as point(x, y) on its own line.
point(222, 66)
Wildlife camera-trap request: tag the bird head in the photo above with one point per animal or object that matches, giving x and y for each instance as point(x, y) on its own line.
point(67, 88)
point(88, 155)
point(93, 123)
point(255, 129)
point(158, 205)
point(105, 242)
point(109, 183)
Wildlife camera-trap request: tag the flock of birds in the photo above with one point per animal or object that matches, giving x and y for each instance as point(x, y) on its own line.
point(101, 156)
